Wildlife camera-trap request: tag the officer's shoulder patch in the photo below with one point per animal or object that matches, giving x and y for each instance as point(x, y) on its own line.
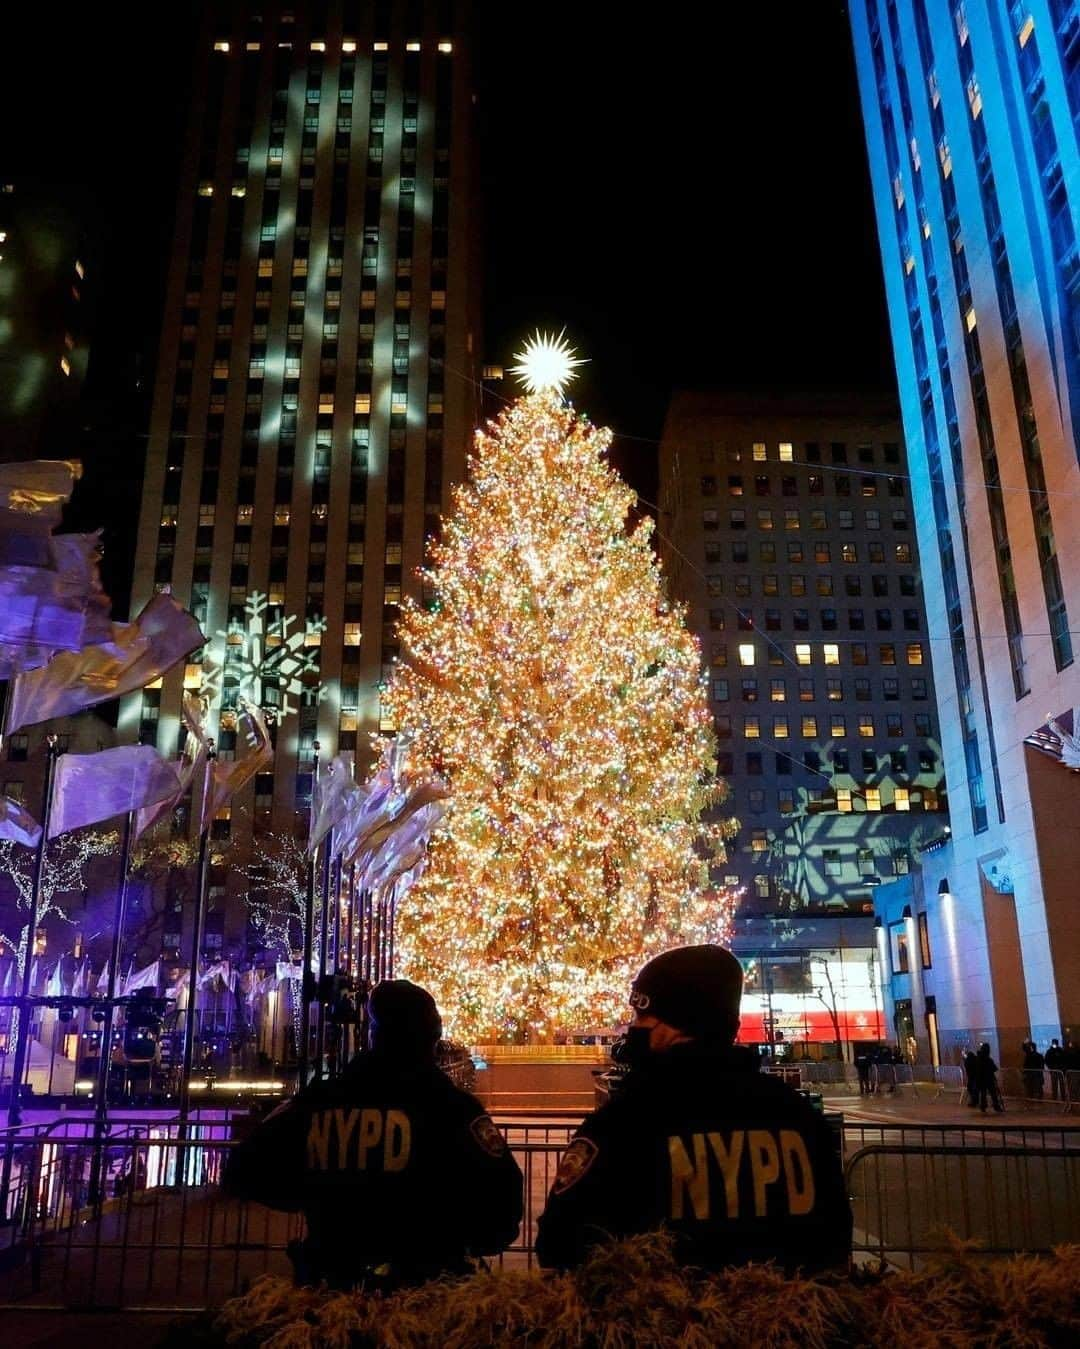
point(576, 1160)
point(486, 1133)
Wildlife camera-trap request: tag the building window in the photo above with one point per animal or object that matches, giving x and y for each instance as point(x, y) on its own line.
point(873, 798)
point(843, 800)
point(924, 942)
point(900, 962)
point(761, 886)
point(759, 452)
point(833, 865)
point(866, 726)
point(786, 454)
point(832, 653)
point(751, 727)
point(756, 799)
point(901, 799)
point(780, 728)
point(894, 725)
point(802, 653)
point(777, 690)
point(749, 690)
point(914, 653)
point(754, 763)
point(785, 800)
point(746, 653)
point(809, 727)
point(759, 841)
point(837, 725)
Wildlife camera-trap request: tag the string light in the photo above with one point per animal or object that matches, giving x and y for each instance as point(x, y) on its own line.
point(550, 682)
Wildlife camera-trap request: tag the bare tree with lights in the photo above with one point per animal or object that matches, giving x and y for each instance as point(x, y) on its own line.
point(64, 873)
point(556, 689)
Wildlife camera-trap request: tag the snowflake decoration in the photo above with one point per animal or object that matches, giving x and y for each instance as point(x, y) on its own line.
point(267, 660)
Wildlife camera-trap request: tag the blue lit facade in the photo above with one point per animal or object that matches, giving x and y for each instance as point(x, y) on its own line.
point(971, 114)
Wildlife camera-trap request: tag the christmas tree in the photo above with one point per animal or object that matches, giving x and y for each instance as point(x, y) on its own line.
point(555, 688)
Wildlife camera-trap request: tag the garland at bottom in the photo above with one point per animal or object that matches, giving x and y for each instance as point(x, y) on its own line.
point(632, 1293)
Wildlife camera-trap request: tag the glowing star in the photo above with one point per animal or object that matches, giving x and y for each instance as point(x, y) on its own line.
point(547, 363)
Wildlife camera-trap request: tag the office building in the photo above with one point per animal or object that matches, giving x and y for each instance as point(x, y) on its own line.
point(971, 112)
point(315, 390)
point(787, 531)
point(48, 254)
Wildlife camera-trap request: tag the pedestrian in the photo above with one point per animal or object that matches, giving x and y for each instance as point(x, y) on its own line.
point(971, 1077)
point(986, 1079)
point(862, 1067)
point(1033, 1072)
point(1055, 1064)
point(737, 1165)
point(401, 1175)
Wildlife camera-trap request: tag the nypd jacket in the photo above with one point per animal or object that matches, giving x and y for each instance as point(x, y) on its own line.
point(738, 1166)
point(395, 1169)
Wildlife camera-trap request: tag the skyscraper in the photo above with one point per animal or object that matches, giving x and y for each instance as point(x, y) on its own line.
point(971, 113)
point(315, 385)
point(787, 531)
point(48, 252)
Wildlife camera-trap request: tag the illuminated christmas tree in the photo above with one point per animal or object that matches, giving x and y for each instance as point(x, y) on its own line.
point(554, 687)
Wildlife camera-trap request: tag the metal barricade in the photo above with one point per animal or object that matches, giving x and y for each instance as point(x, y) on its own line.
point(160, 1235)
point(907, 1197)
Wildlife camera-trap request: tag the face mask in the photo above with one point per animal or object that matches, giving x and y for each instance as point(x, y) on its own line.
point(636, 1048)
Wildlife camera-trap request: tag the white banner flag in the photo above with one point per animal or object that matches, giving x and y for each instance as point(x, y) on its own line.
point(93, 787)
point(330, 799)
point(18, 824)
point(139, 652)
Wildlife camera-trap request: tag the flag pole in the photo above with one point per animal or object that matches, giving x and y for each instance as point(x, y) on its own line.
point(324, 955)
point(22, 1037)
point(101, 1104)
point(304, 1047)
point(198, 923)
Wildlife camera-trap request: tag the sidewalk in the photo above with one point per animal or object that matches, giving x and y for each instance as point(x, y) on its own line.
point(923, 1106)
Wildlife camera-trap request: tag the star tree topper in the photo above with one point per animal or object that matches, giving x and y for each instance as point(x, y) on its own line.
point(546, 363)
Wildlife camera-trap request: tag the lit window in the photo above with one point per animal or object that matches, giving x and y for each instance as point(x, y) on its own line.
point(866, 727)
point(391, 594)
point(380, 46)
point(802, 653)
point(352, 637)
point(221, 46)
point(849, 553)
point(873, 798)
point(777, 691)
point(362, 403)
point(266, 266)
point(318, 46)
point(206, 189)
point(399, 405)
point(348, 45)
point(832, 653)
point(282, 515)
point(759, 451)
point(412, 46)
point(244, 515)
point(914, 653)
point(239, 190)
point(751, 727)
point(348, 720)
point(446, 48)
point(780, 728)
point(901, 798)
point(838, 725)
point(746, 653)
point(809, 727)
point(759, 841)
point(843, 800)
point(786, 454)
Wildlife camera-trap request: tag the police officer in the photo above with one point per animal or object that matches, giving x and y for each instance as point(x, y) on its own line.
point(400, 1174)
point(736, 1164)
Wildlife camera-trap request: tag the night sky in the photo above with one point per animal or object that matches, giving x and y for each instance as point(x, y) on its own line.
point(688, 198)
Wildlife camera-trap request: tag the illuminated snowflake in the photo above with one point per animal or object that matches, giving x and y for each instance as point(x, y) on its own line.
point(268, 659)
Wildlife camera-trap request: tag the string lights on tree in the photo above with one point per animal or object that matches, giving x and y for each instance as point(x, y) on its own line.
point(553, 686)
